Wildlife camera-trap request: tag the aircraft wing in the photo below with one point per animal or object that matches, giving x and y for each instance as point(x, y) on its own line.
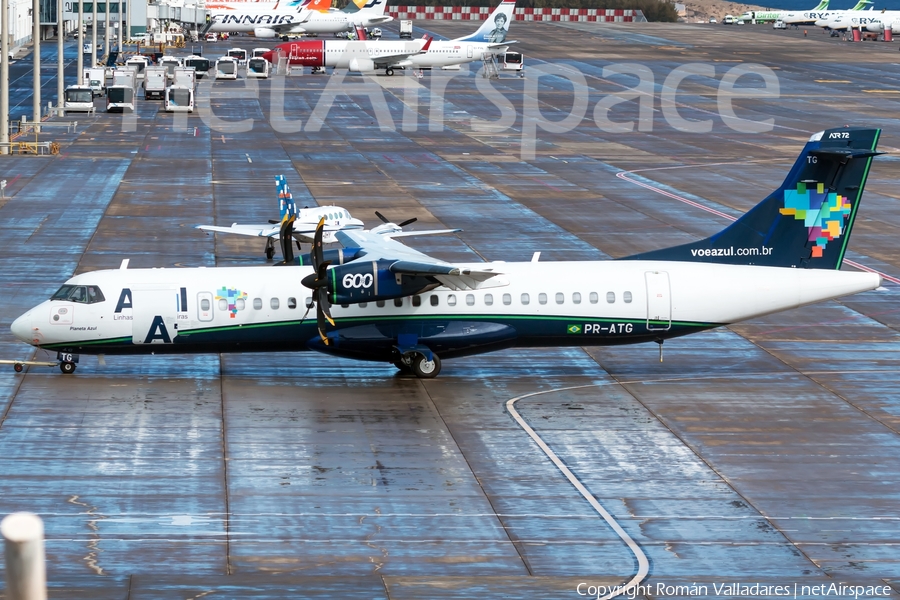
point(398, 57)
point(408, 261)
point(304, 230)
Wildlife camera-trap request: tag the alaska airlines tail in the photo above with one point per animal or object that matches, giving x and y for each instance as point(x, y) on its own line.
point(286, 206)
point(807, 221)
point(496, 27)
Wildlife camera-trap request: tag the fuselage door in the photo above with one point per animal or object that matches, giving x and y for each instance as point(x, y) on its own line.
point(205, 307)
point(155, 315)
point(469, 51)
point(659, 301)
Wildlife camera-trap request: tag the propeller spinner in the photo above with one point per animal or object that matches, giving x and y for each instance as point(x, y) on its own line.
point(318, 282)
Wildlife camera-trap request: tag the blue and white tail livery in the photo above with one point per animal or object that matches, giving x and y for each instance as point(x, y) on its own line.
point(495, 29)
point(286, 206)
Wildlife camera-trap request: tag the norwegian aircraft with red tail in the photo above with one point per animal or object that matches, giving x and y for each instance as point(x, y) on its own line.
point(370, 56)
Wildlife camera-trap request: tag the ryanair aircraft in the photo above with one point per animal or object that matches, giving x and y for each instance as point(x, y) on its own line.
point(376, 299)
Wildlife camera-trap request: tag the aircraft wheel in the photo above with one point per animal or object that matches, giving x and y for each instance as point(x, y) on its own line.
point(270, 253)
point(67, 367)
point(18, 368)
point(389, 71)
point(424, 369)
point(402, 366)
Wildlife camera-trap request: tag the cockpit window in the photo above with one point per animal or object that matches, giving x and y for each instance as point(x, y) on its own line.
point(83, 294)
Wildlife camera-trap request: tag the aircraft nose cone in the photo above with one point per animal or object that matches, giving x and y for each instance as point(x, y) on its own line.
point(269, 56)
point(21, 328)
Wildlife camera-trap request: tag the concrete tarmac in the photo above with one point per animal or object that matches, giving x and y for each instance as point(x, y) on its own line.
point(763, 453)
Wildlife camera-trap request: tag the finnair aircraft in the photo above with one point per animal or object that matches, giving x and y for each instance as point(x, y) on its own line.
point(379, 300)
point(368, 56)
point(268, 21)
point(297, 224)
point(822, 15)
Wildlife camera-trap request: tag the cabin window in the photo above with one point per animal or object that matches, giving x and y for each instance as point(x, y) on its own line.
point(204, 304)
point(398, 302)
point(542, 298)
point(223, 304)
point(274, 303)
point(470, 299)
point(507, 299)
point(576, 298)
point(488, 299)
point(257, 304)
point(434, 300)
point(451, 300)
point(627, 297)
point(560, 298)
point(417, 300)
point(611, 297)
point(292, 303)
point(363, 304)
point(379, 303)
point(239, 303)
point(594, 298)
point(526, 299)
point(345, 306)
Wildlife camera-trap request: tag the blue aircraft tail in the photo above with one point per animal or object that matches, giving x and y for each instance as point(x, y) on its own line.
point(286, 206)
point(806, 222)
point(496, 27)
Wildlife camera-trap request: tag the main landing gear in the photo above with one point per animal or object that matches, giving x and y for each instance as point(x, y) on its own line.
point(389, 71)
point(419, 365)
point(270, 248)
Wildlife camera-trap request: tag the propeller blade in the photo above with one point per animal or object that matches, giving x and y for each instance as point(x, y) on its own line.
point(381, 216)
point(317, 251)
point(323, 314)
point(285, 237)
point(408, 221)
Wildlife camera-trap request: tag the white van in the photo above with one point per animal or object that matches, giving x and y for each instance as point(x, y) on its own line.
point(258, 67)
point(79, 98)
point(779, 24)
point(179, 98)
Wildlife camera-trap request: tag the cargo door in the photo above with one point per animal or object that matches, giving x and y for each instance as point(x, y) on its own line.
point(659, 301)
point(154, 315)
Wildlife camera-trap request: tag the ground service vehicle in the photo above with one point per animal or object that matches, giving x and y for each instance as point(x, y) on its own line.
point(79, 98)
point(513, 61)
point(179, 98)
point(258, 52)
point(170, 62)
point(184, 76)
point(406, 29)
point(155, 83)
point(227, 68)
point(258, 67)
point(239, 54)
point(95, 77)
point(139, 64)
point(120, 95)
point(199, 64)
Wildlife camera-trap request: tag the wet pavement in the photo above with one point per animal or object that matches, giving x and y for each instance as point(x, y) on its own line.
point(767, 452)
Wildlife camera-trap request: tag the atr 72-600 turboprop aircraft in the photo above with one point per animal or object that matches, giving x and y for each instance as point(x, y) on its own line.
point(301, 224)
point(379, 300)
point(367, 56)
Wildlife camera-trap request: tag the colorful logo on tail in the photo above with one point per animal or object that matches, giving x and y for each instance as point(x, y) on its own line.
point(823, 214)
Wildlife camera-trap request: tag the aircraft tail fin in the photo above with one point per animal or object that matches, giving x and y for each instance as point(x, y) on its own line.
point(319, 5)
point(496, 27)
point(807, 221)
point(372, 7)
point(286, 206)
point(823, 5)
point(862, 4)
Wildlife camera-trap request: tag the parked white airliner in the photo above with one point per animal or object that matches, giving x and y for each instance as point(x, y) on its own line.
point(377, 299)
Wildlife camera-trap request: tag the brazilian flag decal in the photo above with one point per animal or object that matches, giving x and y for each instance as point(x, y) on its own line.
point(573, 329)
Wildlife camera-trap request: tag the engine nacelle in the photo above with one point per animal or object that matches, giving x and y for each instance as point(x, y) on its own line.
point(336, 257)
point(362, 65)
point(367, 281)
point(264, 32)
point(876, 27)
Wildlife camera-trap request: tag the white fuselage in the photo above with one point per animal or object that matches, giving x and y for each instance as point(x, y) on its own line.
point(358, 55)
point(545, 303)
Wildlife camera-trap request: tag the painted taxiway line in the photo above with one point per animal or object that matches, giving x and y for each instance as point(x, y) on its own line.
point(643, 562)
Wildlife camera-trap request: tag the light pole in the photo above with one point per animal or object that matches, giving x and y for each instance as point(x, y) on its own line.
point(36, 39)
point(80, 42)
point(60, 38)
point(4, 76)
